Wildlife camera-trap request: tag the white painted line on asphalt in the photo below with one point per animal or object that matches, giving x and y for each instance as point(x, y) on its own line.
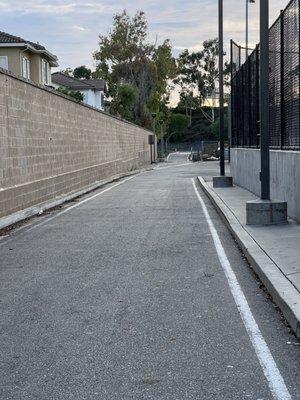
point(276, 382)
point(71, 208)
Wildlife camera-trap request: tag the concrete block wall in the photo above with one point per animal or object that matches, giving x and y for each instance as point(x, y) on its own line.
point(284, 178)
point(51, 146)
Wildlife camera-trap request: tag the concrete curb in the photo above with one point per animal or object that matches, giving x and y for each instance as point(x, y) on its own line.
point(279, 287)
point(40, 208)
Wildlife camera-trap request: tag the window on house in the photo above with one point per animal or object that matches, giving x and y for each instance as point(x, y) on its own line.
point(26, 68)
point(46, 78)
point(4, 62)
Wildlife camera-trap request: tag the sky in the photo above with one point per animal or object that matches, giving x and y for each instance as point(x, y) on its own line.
point(70, 28)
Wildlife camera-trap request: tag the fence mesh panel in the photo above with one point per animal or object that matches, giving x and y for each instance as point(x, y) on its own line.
point(291, 75)
point(275, 84)
point(284, 87)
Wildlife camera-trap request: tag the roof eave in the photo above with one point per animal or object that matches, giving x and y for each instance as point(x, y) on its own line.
point(52, 58)
point(4, 44)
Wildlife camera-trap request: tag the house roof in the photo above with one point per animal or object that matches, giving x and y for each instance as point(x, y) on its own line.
point(8, 39)
point(99, 84)
point(78, 84)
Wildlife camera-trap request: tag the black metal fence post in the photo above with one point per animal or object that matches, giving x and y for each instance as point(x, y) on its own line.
point(282, 106)
point(264, 100)
point(257, 117)
point(299, 64)
point(231, 101)
point(249, 119)
point(243, 106)
point(221, 90)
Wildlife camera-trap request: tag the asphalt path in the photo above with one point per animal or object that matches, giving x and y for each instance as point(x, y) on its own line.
point(126, 293)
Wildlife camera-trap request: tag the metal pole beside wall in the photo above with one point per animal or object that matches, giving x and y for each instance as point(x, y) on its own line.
point(247, 27)
point(282, 105)
point(221, 90)
point(222, 180)
point(264, 100)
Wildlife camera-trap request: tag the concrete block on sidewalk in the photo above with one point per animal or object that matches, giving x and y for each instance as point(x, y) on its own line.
point(222, 181)
point(266, 212)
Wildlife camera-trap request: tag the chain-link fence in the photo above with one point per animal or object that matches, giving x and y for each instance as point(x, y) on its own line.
point(284, 79)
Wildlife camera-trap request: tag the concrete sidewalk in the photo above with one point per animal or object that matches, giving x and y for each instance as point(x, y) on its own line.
point(273, 251)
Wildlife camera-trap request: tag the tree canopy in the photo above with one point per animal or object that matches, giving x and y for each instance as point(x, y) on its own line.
point(198, 76)
point(125, 56)
point(140, 75)
point(178, 125)
point(82, 72)
point(124, 101)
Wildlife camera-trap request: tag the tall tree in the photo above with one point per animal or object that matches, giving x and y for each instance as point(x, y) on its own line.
point(126, 56)
point(82, 72)
point(124, 101)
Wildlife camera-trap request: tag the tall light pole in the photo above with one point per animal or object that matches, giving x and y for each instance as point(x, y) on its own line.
point(247, 25)
point(264, 99)
point(222, 180)
point(221, 89)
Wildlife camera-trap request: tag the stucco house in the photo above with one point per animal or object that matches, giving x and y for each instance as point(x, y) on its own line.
point(26, 59)
point(93, 90)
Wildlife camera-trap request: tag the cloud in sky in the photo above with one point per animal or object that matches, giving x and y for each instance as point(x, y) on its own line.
point(79, 28)
point(70, 28)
